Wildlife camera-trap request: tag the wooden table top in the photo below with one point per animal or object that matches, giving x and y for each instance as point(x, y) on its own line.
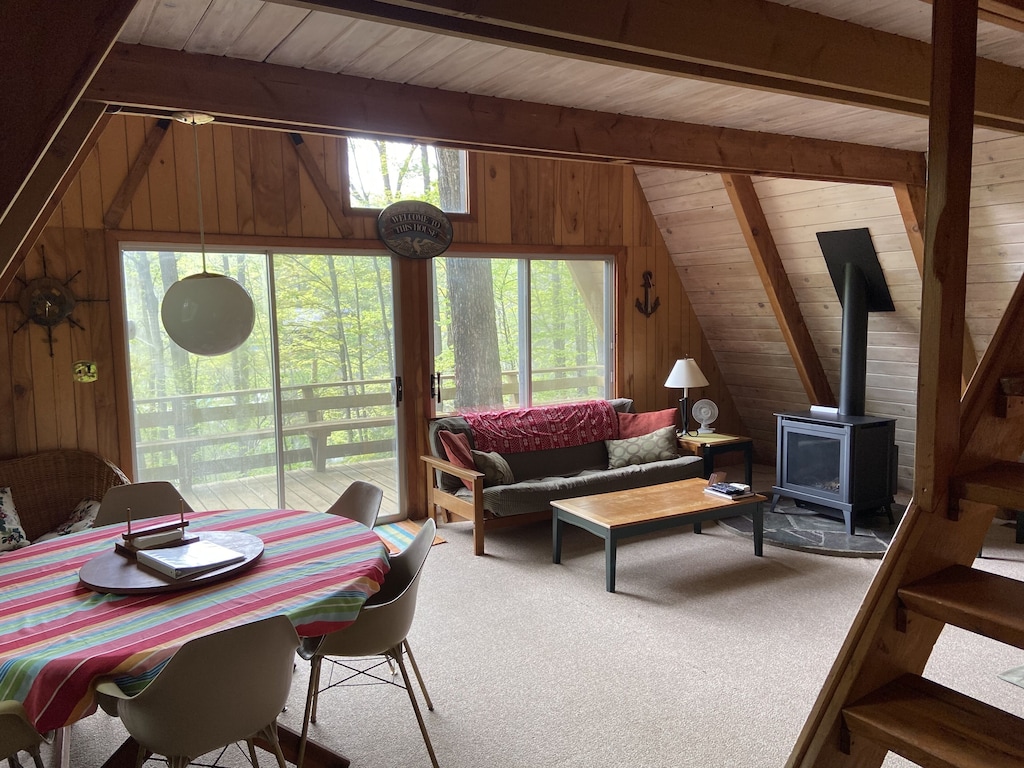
point(652, 502)
point(713, 438)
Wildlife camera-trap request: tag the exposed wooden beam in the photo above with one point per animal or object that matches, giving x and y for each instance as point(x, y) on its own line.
point(49, 53)
point(911, 202)
point(875, 651)
point(1005, 13)
point(143, 78)
point(43, 190)
point(125, 193)
point(742, 42)
point(947, 227)
point(769, 265)
point(327, 195)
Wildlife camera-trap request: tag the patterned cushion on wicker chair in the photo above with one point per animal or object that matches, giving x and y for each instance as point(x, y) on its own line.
point(47, 486)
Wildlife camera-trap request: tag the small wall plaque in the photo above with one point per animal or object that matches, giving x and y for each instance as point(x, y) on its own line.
point(414, 229)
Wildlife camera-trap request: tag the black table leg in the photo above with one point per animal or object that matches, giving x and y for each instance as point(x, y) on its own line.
point(758, 530)
point(609, 562)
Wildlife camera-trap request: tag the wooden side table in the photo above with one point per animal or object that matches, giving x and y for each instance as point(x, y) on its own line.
point(709, 445)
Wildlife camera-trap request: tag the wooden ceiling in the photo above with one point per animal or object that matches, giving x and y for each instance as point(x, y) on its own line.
point(818, 89)
point(740, 64)
point(558, 77)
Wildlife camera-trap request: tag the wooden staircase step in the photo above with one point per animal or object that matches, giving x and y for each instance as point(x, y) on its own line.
point(937, 727)
point(980, 602)
point(1000, 484)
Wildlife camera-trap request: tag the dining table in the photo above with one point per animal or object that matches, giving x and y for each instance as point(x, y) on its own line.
point(57, 635)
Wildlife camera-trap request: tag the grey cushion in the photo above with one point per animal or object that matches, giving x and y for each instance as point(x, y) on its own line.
point(550, 462)
point(536, 495)
point(496, 470)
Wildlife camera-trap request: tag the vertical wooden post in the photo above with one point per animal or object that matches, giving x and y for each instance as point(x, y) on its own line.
point(414, 355)
point(875, 651)
point(944, 287)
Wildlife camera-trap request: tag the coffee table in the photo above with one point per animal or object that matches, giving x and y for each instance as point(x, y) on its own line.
point(621, 514)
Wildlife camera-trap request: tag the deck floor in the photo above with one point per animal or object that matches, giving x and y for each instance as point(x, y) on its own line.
point(304, 488)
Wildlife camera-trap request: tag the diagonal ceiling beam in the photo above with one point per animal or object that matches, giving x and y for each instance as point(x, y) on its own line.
point(327, 195)
point(45, 187)
point(911, 202)
point(765, 254)
point(125, 193)
point(153, 80)
point(744, 42)
point(63, 44)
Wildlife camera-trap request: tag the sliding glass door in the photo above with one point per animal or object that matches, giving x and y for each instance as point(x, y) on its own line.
point(295, 414)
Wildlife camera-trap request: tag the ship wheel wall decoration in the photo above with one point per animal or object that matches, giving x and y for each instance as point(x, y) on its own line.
point(48, 301)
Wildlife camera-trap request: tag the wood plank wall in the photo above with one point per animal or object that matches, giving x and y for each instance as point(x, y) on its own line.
point(255, 192)
point(706, 245)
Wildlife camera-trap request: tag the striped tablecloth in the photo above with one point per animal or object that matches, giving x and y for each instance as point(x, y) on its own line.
point(56, 635)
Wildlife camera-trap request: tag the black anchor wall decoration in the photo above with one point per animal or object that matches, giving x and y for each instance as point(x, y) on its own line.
point(647, 308)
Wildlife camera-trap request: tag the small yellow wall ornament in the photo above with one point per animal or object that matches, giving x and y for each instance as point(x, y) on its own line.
point(85, 371)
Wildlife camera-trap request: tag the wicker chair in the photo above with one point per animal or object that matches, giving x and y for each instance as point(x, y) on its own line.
point(47, 486)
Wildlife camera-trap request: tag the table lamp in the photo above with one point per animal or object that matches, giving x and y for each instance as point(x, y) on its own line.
point(685, 374)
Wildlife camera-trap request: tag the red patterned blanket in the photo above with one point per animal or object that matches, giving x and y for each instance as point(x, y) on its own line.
point(552, 426)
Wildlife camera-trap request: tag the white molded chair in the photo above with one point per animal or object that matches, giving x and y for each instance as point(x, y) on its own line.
point(144, 499)
point(17, 735)
point(359, 502)
point(216, 690)
point(380, 629)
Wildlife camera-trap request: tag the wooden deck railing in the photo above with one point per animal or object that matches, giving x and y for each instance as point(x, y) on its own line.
point(196, 438)
point(191, 438)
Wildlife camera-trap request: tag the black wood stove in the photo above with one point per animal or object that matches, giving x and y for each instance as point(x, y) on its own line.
point(838, 459)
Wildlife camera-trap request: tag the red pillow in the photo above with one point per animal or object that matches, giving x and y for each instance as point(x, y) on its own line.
point(456, 447)
point(637, 424)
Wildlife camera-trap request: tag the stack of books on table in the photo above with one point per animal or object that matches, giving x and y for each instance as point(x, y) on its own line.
point(729, 490)
point(190, 559)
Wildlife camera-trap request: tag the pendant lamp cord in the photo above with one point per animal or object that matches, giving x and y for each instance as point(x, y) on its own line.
point(199, 194)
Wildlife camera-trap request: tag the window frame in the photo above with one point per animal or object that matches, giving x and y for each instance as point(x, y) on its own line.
point(612, 258)
point(472, 160)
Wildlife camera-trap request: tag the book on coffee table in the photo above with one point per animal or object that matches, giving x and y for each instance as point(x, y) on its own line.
point(729, 490)
point(188, 560)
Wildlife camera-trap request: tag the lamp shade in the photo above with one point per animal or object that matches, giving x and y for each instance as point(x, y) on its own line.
point(208, 314)
point(685, 374)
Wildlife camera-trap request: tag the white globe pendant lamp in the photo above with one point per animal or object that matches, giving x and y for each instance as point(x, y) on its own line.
point(206, 313)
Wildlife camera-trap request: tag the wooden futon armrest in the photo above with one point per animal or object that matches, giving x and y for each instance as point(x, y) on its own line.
point(464, 508)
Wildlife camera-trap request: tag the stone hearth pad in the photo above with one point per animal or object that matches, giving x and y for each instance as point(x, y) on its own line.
point(805, 529)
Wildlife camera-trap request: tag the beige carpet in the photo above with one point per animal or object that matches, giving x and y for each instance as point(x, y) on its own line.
point(705, 657)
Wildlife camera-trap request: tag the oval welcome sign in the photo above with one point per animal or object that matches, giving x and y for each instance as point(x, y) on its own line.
point(414, 229)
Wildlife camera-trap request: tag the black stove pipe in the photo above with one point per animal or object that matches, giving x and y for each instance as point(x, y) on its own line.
point(853, 364)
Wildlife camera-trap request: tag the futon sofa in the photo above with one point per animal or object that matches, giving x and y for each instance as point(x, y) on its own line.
point(49, 493)
point(538, 463)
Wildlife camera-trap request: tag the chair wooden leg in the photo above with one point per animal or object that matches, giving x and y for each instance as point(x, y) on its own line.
point(415, 706)
point(252, 752)
point(314, 679)
point(310, 713)
point(140, 756)
point(37, 758)
point(419, 677)
point(270, 734)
